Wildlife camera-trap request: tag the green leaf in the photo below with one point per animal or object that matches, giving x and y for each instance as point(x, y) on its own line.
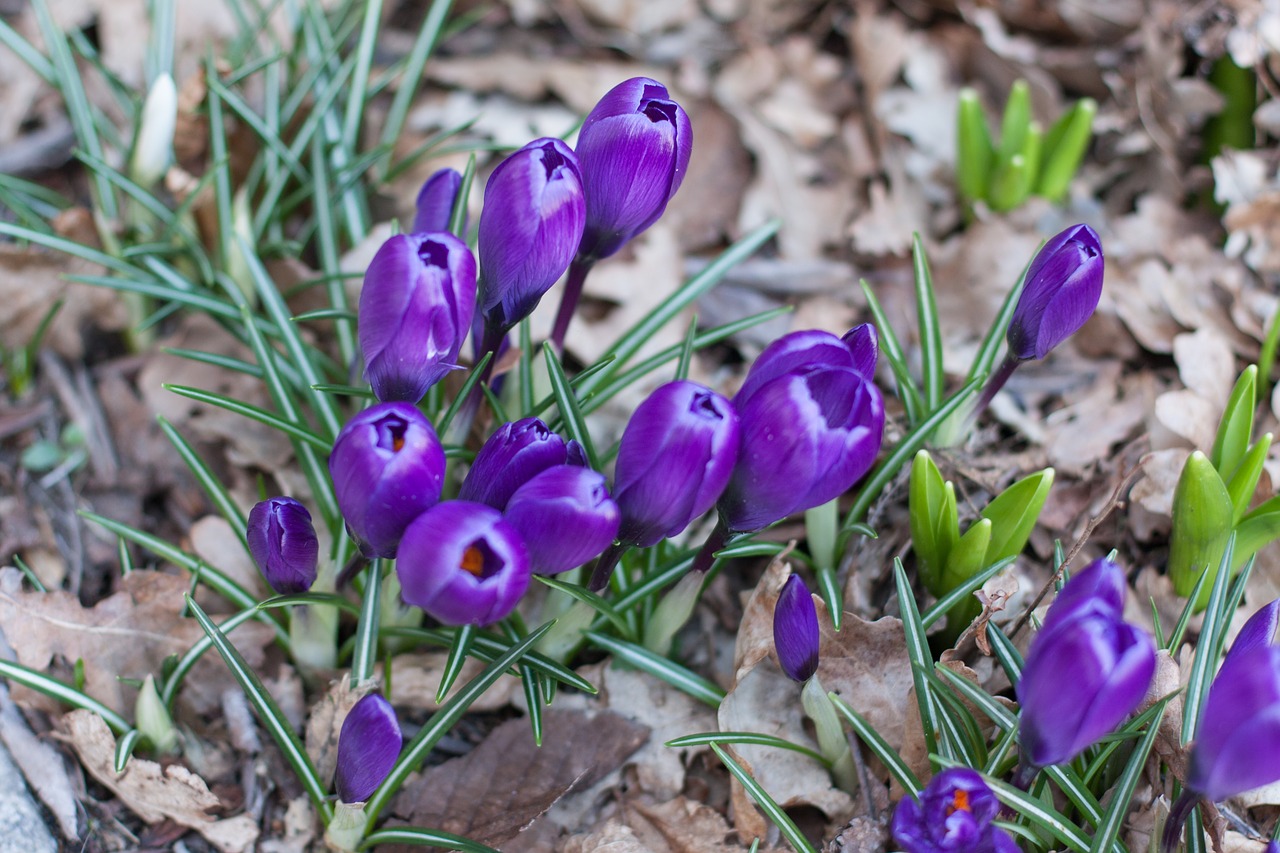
point(962, 591)
point(891, 349)
point(1064, 148)
point(213, 487)
point(268, 713)
point(934, 374)
point(567, 401)
point(457, 658)
point(677, 676)
point(1236, 427)
point(1254, 534)
point(488, 647)
point(1041, 815)
point(1013, 514)
point(178, 674)
point(1208, 648)
point(1202, 513)
point(1244, 482)
point(761, 797)
point(919, 655)
point(365, 653)
point(968, 556)
point(1122, 794)
point(754, 738)
point(125, 747)
point(927, 502)
point(65, 693)
point(412, 76)
point(879, 747)
point(974, 149)
point(1015, 123)
point(422, 838)
point(1010, 184)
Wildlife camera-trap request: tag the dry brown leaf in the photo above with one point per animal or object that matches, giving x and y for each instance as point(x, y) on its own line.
point(127, 635)
point(415, 680)
point(155, 793)
point(508, 781)
point(1083, 433)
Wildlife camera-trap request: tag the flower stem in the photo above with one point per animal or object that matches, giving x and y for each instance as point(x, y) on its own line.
point(461, 426)
point(605, 566)
point(960, 424)
point(707, 553)
point(1178, 814)
point(569, 301)
point(831, 738)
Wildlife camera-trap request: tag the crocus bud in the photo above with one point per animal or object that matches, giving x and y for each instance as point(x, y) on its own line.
point(1063, 285)
point(463, 563)
point(283, 543)
point(954, 814)
point(565, 516)
point(388, 468)
point(415, 311)
point(1258, 632)
point(436, 200)
point(1099, 586)
point(1202, 523)
point(1237, 744)
point(513, 455)
point(812, 423)
point(153, 148)
point(676, 455)
point(530, 227)
point(795, 630)
point(1085, 672)
point(634, 150)
point(368, 746)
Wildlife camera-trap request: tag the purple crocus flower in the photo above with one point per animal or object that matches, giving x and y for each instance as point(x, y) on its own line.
point(953, 815)
point(387, 467)
point(436, 200)
point(812, 424)
point(283, 543)
point(530, 227)
point(565, 516)
point(634, 149)
point(1259, 631)
point(1063, 285)
point(368, 746)
point(1085, 671)
point(676, 455)
point(415, 312)
point(463, 563)
point(513, 455)
point(1237, 744)
point(795, 630)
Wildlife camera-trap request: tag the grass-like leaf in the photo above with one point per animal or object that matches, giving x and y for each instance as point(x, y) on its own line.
point(65, 693)
point(175, 678)
point(1122, 795)
point(423, 838)
point(754, 738)
point(761, 797)
point(597, 602)
point(963, 591)
point(570, 412)
point(930, 331)
point(893, 353)
point(1039, 814)
point(488, 647)
point(1205, 663)
point(462, 639)
point(419, 53)
point(702, 689)
point(268, 712)
point(204, 475)
point(464, 393)
point(365, 652)
point(918, 653)
point(125, 747)
point(879, 747)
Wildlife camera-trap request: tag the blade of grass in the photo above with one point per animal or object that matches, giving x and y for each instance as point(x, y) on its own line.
point(169, 692)
point(1205, 663)
point(487, 647)
point(1122, 794)
point(218, 494)
point(570, 413)
point(754, 738)
point(422, 838)
point(919, 655)
point(930, 332)
point(457, 658)
point(365, 653)
point(893, 354)
point(762, 799)
point(65, 693)
point(677, 676)
point(423, 45)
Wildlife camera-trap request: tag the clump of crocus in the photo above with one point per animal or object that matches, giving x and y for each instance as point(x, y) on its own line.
point(368, 746)
point(515, 453)
point(565, 516)
point(1237, 746)
point(463, 563)
point(283, 543)
point(955, 814)
point(796, 641)
point(530, 227)
point(388, 468)
point(1087, 669)
point(675, 458)
point(415, 312)
point(435, 203)
point(634, 150)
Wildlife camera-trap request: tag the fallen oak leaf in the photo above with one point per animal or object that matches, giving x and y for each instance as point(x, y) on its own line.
point(156, 793)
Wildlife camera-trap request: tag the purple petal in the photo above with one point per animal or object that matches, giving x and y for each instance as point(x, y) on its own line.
point(368, 746)
point(436, 200)
point(565, 516)
point(513, 455)
point(283, 543)
point(1237, 744)
point(795, 630)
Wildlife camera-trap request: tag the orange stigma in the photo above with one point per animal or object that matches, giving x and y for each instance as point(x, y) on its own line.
point(397, 443)
point(959, 802)
point(472, 561)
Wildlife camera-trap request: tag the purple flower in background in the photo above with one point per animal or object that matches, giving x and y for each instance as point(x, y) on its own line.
point(634, 150)
point(1063, 285)
point(463, 563)
point(953, 815)
point(436, 200)
point(513, 455)
point(795, 630)
point(1258, 632)
point(565, 516)
point(415, 312)
point(368, 746)
point(387, 467)
point(676, 455)
point(530, 227)
point(283, 543)
point(1085, 671)
point(812, 424)
point(1237, 745)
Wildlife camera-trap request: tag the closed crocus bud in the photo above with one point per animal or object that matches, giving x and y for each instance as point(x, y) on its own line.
point(795, 630)
point(1237, 744)
point(634, 150)
point(1258, 632)
point(415, 312)
point(153, 149)
point(513, 455)
point(463, 563)
point(436, 200)
point(1063, 285)
point(530, 227)
point(368, 746)
point(954, 814)
point(388, 468)
point(812, 424)
point(565, 516)
point(676, 455)
point(1099, 586)
point(283, 543)
point(1083, 675)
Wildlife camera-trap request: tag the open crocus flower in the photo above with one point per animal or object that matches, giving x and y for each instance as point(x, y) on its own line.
point(387, 467)
point(565, 516)
point(463, 563)
point(415, 312)
point(368, 746)
point(283, 543)
point(515, 453)
point(795, 630)
point(812, 424)
point(953, 815)
point(1064, 283)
